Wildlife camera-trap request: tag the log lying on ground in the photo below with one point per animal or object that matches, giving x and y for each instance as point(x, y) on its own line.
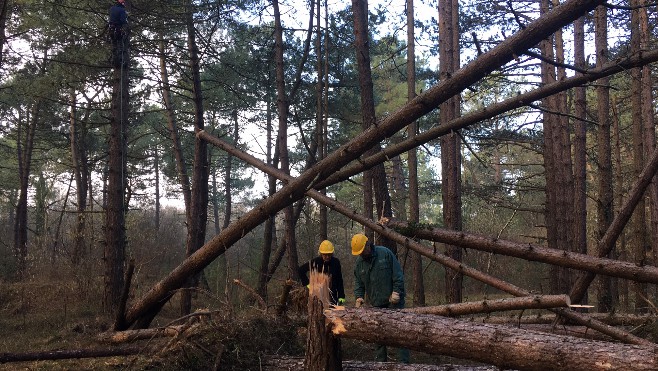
point(297, 364)
point(577, 331)
point(532, 252)
point(70, 354)
point(492, 344)
point(610, 319)
point(118, 337)
point(496, 305)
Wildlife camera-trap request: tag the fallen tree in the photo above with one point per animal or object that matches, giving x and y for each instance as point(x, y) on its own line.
point(421, 249)
point(141, 313)
point(70, 354)
point(496, 305)
point(529, 251)
point(275, 363)
point(501, 346)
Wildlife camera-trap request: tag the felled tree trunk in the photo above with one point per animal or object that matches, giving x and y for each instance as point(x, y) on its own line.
point(118, 337)
point(69, 354)
point(497, 345)
point(488, 306)
point(297, 364)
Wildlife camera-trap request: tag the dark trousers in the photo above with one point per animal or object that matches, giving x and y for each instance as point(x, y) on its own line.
point(381, 354)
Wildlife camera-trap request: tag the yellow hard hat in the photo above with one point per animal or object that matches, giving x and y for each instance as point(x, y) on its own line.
point(326, 247)
point(358, 243)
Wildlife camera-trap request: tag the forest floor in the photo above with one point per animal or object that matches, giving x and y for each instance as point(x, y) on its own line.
point(49, 317)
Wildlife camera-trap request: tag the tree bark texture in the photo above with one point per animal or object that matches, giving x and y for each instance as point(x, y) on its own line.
point(375, 178)
point(496, 305)
point(532, 252)
point(450, 144)
point(172, 127)
point(161, 292)
point(80, 173)
point(282, 104)
point(115, 213)
point(275, 363)
point(69, 354)
point(412, 245)
point(497, 345)
point(198, 212)
point(322, 347)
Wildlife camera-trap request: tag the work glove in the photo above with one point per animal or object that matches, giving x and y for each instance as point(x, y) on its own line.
point(395, 298)
point(359, 302)
point(341, 301)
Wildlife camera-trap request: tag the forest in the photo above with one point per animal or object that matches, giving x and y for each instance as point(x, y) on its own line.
point(174, 181)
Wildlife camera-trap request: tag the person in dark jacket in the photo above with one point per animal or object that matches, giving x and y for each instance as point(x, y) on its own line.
point(379, 281)
point(328, 264)
point(118, 32)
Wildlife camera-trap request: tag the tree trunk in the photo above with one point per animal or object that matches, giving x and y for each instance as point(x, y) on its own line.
point(153, 300)
point(227, 175)
point(375, 178)
point(198, 212)
point(450, 144)
point(412, 157)
point(115, 218)
point(501, 346)
point(80, 173)
point(497, 305)
point(4, 15)
point(279, 363)
point(531, 252)
point(580, 147)
point(604, 161)
point(183, 178)
point(322, 348)
point(282, 104)
point(24, 149)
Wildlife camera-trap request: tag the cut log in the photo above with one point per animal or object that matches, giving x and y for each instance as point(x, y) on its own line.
point(127, 336)
point(70, 354)
point(492, 344)
point(497, 305)
point(532, 252)
point(277, 363)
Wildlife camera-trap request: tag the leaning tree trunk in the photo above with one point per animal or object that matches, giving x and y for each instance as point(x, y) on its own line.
point(505, 347)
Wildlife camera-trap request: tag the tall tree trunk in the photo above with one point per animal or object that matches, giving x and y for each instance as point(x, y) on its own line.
point(649, 137)
point(605, 196)
point(24, 149)
point(80, 173)
point(198, 212)
point(321, 134)
point(282, 110)
point(450, 145)
point(579, 144)
point(269, 231)
point(374, 179)
point(156, 170)
point(227, 175)
point(172, 127)
point(4, 15)
point(412, 157)
point(115, 218)
point(638, 240)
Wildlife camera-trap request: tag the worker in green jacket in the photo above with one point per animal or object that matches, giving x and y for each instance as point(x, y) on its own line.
point(379, 281)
